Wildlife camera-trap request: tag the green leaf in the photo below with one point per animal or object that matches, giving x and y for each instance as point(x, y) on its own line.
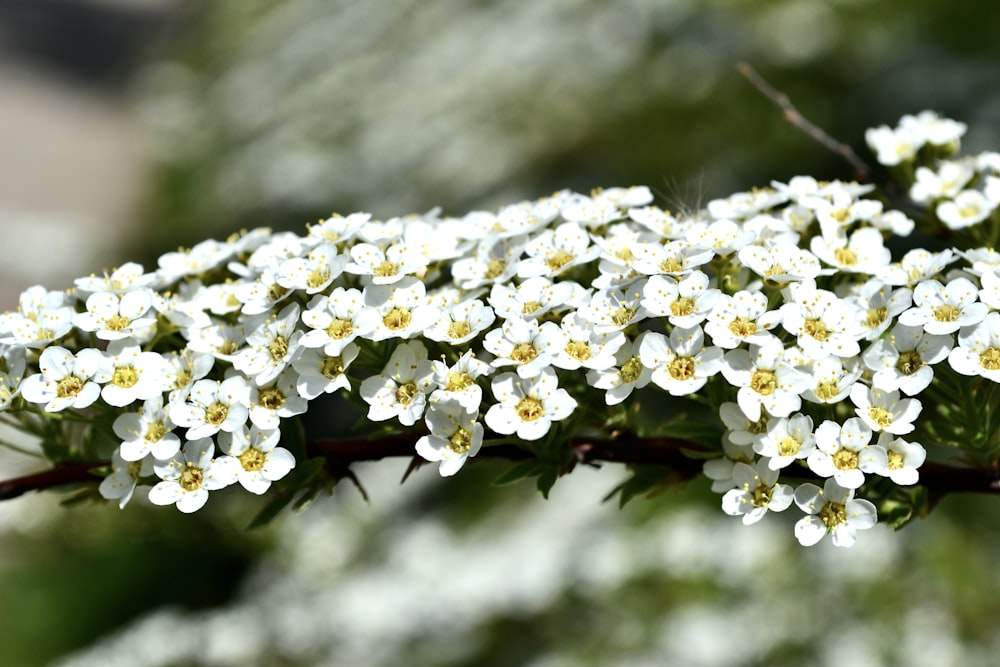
point(519, 471)
point(271, 510)
point(293, 438)
point(702, 432)
point(646, 480)
point(547, 479)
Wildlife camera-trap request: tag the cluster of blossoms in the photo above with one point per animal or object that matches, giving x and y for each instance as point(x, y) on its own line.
point(518, 325)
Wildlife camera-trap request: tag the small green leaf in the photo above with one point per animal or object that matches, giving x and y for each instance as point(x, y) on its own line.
point(519, 471)
point(547, 479)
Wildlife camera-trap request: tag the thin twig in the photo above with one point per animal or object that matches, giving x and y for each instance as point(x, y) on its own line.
point(940, 479)
point(793, 117)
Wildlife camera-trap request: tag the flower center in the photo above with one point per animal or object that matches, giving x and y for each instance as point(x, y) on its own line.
point(317, 278)
point(895, 460)
point(875, 317)
point(623, 316)
point(743, 327)
point(789, 446)
point(833, 515)
point(530, 307)
point(191, 478)
point(155, 432)
point(276, 292)
point(396, 319)
point(630, 371)
point(460, 441)
point(909, 362)
point(990, 359)
point(529, 409)
point(761, 496)
point(271, 398)
point(70, 385)
point(253, 459)
point(682, 307)
point(406, 393)
point(681, 368)
point(845, 459)
point(946, 313)
point(216, 413)
point(672, 265)
point(116, 323)
point(826, 391)
point(880, 416)
point(459, 329)
point(495, 268)
point(558, 259)
point(579, 350)
point(817, 329)
point(385, 269)
point(340, 329)
point(459, 382)
point(124, 376)
point(332, 367)
point(278, 348)
point(764, 382)
point(524, 353)
point(845, 256)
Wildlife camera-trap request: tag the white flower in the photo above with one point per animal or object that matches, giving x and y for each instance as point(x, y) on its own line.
point(903, 360)
point(203, 257)
point(184, 368)
point(904, 459)
point(741, 318)
point(403, 311)
point(685, 303)
point(787, 439)
point(843, 452)
point(614, 309)
point(221, 340)
point(277, 400)
point(64, 380)
point(863, 252)
point(121, 483)
point(337, 319)
point(402, 387)
point(148, 431)
point(554, 251)
point(781, 263)
point(123, 279)
point(720, 470)
point(42, 317)
point(765, 380)
point(832, 510)
point(213, 406)
point(593, 212)
point(990, 292)
point(745, 204)
point(458, 381)
point(585, 347)
point(337, 228)
point(533, 297)
point(681, 363)
point(917, 264)
point(320, 373)
point(884, 411)
point(658, 221)
point(385, 267)
point(112, 316)
point(130, 375)
point(12, 365)
point(932, 128)
point(675, 258)
point(455, 435)
point(272, 341)
point(724, 237)
point(525, 344)
point(314, 272)
point(756, 492)
point(978, 351)
point(942, 309)
point(262, 294)
point(832, 379)
point(823, 323)
point(461, 322)
point(495, 261)
point(261, 461)
point(893, 146)
point(968, 208)
point(876, 305)
point(627, 374)
point(949, 179)
point(528, 407)
point(189, 476)
point(742, 430)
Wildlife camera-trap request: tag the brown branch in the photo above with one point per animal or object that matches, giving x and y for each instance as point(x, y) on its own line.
point(940, 479)
point(795, 118)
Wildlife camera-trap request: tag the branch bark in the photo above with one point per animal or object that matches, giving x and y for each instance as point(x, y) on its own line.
point(939, 478)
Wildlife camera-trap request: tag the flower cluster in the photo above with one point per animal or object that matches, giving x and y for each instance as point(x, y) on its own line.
point(523, 323)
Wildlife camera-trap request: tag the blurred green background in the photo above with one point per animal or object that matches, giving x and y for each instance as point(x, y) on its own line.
point(129, 127)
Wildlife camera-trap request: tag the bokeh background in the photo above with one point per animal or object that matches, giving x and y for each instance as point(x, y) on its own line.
point(129, 127)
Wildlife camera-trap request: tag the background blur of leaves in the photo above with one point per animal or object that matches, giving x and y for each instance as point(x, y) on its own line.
point(277, 113)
